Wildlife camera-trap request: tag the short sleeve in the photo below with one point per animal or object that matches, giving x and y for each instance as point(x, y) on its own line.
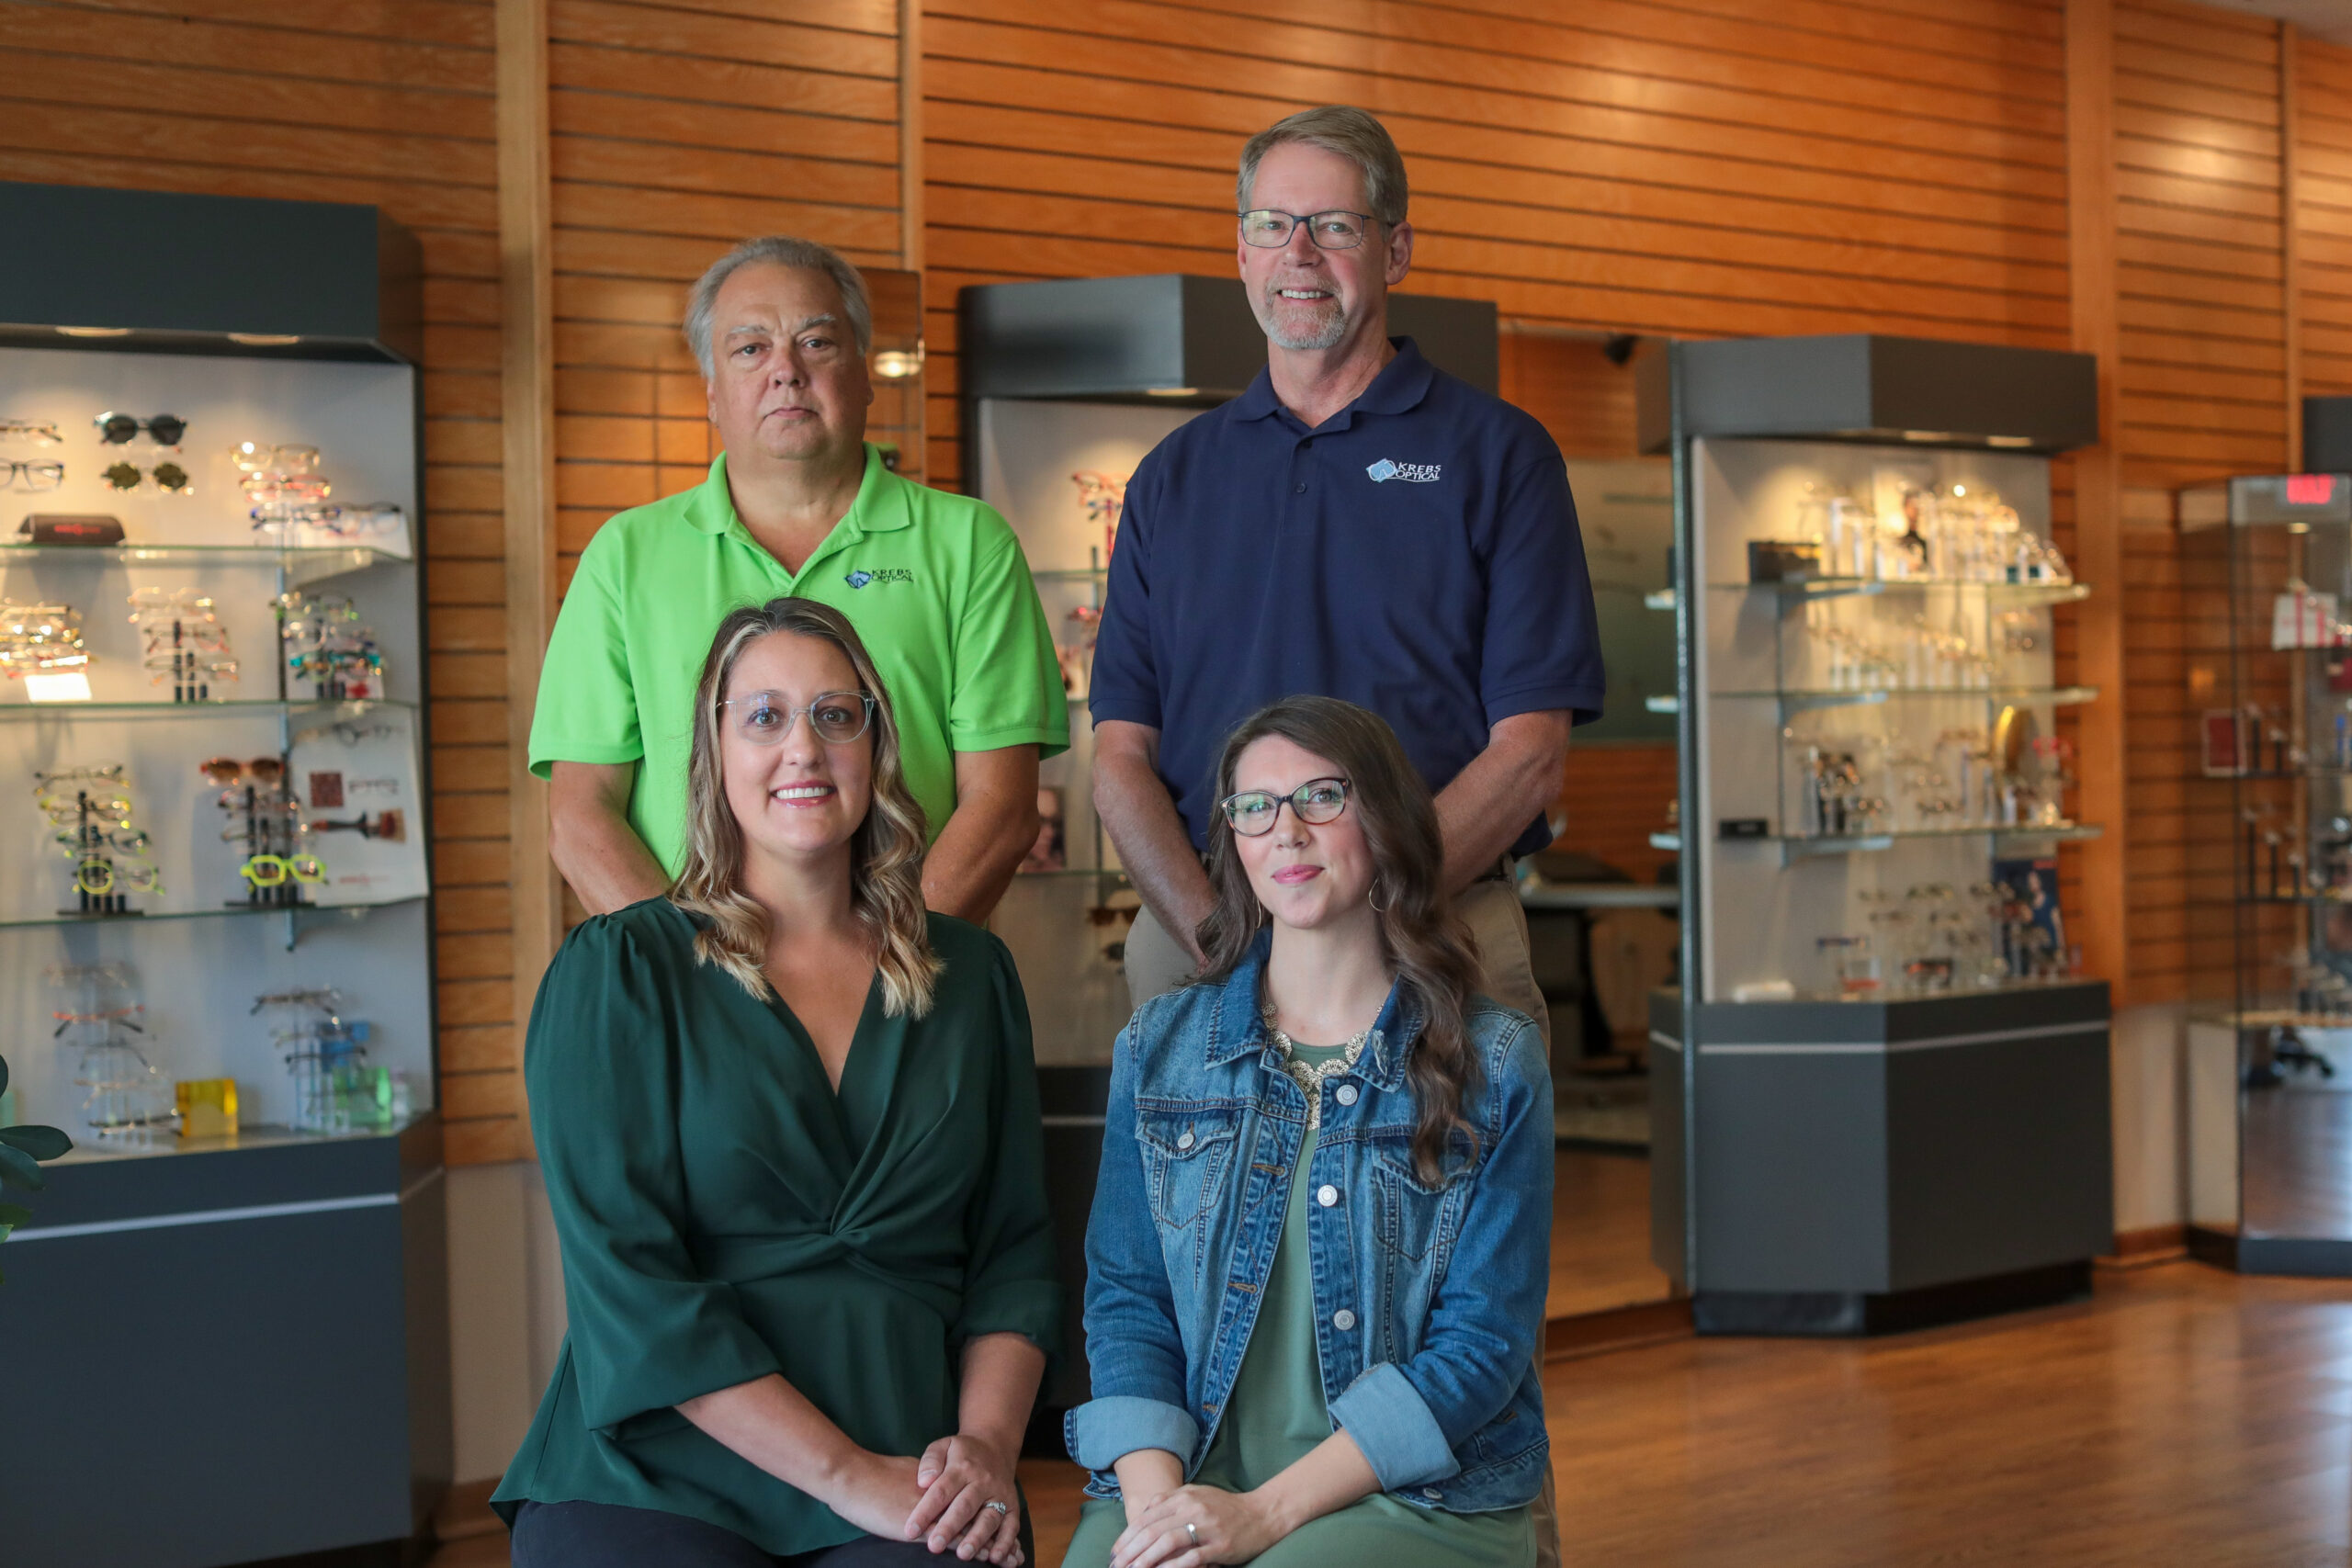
point(1008, 684)
point(648, 1329)
point(586, 710)
point(1125, 684)
point(1011, 1285)
point(1542, 639)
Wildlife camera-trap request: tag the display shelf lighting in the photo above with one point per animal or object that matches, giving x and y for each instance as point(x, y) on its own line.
point(898, 364)
point(94, 332)
point(2008, 441)
point(1929, 436)
point(265, 339)
point(1171, 391)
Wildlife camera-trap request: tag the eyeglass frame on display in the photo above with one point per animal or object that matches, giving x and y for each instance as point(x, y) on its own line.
point(110, 421)
point(40, 433)
point(32, 470)
point(162, 473)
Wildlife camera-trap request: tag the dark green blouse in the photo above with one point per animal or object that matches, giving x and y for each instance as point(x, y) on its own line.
point(724, 1215)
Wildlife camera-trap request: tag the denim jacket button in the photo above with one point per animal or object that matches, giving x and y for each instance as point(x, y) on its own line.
point(1185, 1139)
point(1345, 1094)
point(1343, 1320)
point(1327, 1195)
point(1432, 1493)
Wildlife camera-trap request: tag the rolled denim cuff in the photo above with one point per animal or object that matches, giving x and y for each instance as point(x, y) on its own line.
point(1104, 1431)
point(1392, 1424)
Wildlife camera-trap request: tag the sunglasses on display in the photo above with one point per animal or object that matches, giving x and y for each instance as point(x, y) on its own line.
point(255, 458)
point(30, 431)
point(763, 720)
point(130, 840)
point(168, 476)
point(1253, 812)
point(121, 429)
point(273, 870)
point(228, 770)
point(38, 474)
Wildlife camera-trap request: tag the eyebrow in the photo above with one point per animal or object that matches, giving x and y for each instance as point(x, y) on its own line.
point(826, 320)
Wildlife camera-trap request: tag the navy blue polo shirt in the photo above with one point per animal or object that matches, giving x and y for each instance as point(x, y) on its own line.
point(1417, 554)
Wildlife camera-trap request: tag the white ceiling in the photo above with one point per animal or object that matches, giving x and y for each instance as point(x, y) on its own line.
point(2329, 19)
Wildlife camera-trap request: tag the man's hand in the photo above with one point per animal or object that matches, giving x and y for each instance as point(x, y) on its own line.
point(1489, 803)
point(1140, 815)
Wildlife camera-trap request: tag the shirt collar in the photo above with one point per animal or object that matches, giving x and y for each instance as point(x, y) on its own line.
point(1399, 388)
point(1238, 1029)
point(881, 505)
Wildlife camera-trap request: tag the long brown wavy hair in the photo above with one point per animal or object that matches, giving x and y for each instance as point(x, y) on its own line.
point(886, 853)
point(1422, 940)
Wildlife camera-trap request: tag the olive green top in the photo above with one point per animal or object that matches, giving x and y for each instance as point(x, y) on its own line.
point(725, 1214)
point(1277, 1415)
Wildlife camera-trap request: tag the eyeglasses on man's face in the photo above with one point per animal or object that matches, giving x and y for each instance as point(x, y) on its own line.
point(764, 718)
point(1335, 231)
point(1253, 812)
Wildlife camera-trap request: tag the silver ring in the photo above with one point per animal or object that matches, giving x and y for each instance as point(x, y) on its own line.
point(998, 1506)
point(1194, 1531)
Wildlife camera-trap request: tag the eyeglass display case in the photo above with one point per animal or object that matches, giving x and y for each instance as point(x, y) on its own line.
point(232, 1302)
point(2268, 569)
point(1882, 1092)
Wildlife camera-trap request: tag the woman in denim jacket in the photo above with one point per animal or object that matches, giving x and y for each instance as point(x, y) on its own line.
point(1316, 1273)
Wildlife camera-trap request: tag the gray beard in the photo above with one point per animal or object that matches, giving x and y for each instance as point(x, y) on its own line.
point(1331, 326)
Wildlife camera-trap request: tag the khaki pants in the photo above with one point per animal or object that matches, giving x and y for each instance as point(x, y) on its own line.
point(1156, 964)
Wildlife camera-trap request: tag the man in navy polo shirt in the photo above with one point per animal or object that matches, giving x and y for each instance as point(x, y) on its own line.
point(1358, 524)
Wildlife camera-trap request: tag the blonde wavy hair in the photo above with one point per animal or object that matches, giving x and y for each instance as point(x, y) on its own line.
point(886, 853)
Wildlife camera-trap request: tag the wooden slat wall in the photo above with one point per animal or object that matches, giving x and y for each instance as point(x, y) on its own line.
point(2202, 394)
point(390, 103)
point(1703, 169)
point(2325, 147)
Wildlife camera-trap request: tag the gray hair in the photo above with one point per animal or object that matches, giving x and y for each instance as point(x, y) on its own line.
point(1355, 135)
point(784, 250)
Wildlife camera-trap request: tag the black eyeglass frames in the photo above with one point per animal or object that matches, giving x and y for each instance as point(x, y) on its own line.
point(1335, 231)
point(1254, 812)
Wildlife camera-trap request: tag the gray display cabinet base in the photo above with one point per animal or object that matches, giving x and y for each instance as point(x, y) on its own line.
point(227, 1357)
point(1866, 1167)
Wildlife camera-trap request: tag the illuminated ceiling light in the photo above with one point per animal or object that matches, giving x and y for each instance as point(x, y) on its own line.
point(897, 365)
point(265, 339)
point(95, 332)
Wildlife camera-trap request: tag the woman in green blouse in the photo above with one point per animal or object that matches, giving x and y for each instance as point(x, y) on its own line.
point(789, 1127)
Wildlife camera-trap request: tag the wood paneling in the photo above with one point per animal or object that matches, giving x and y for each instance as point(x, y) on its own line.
point(1620, 166)
point(2201, 392)
point(387, 102)
point(2323, 145)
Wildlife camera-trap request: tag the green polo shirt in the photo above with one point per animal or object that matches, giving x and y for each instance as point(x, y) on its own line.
point(935, 584)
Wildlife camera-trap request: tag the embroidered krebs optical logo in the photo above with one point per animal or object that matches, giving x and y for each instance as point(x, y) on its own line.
point(1411, 473)
point(886, 574)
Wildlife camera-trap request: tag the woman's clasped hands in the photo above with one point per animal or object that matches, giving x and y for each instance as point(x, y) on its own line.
point(962, 1476)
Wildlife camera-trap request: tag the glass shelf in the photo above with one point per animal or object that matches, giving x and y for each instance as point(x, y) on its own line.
point(1845, 587)
point(297, 916)
point(1793, 847)
point(300, 564)
point(1662, 600)
point(241, 707)
point(1798, 701)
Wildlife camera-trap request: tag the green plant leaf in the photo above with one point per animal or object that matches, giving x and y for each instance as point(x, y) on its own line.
point(41, 1143)
point(15, 1214)
point(3, 1075)
point(17, 1169)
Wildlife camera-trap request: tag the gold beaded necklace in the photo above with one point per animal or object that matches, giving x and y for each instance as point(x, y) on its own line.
point(1311, 1076)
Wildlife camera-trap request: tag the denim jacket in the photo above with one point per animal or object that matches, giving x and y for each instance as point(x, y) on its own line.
point(1428, 1300)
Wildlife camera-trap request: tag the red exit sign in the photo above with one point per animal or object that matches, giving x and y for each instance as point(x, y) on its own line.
point(2310, 490)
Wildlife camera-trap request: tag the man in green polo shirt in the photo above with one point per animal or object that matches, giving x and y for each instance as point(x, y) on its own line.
point(936, 585)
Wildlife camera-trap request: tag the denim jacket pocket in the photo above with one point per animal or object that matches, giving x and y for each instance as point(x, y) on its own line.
point(1186, 1155)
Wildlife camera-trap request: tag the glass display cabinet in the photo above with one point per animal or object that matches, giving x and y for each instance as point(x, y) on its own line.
point(1882, 1091)
point(2268, 568)
point(216, 922)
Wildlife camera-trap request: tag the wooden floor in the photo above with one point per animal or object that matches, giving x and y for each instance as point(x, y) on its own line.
point(2180, 1416)
point(1600, 1235)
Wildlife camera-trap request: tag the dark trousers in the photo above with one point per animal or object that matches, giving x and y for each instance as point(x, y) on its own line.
point(598, 1535)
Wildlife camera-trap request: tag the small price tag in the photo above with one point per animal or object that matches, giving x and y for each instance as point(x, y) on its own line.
point(68, 688)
